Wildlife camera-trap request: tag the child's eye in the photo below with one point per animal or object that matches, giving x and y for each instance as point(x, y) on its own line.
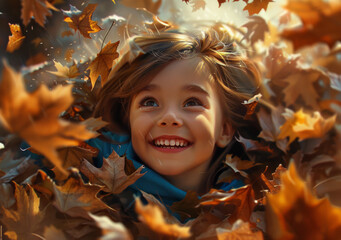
point(149, 102)
point(192, 102)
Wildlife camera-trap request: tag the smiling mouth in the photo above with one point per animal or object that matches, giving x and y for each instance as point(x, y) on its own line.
point(172, 143)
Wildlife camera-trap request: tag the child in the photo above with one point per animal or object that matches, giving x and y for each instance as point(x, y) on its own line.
point(175, 108)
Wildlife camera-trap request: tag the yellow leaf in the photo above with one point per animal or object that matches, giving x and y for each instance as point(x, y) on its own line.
point(64, 71)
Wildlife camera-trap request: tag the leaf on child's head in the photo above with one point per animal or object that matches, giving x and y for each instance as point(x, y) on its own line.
point(81, 20)
point(102, 64)
point(35, 116)
point(294, 213)
point(14, 41)
point(152, 216)
point(111, 175)
point(303, 126)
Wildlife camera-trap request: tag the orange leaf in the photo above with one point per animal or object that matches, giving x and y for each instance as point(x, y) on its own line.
point(82, 22)
point(240, 230)
point(256, 6)
point(301, 125)
point(35, 116)
point(294, 213)
point(36, 9)
point(102, 64)
point(14, 41)
point(64, 71)
point(151, 215)
point(256, 29)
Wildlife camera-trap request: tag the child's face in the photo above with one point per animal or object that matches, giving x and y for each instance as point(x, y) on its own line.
point(176, 121)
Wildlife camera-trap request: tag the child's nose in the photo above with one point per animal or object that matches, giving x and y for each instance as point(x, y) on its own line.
point(170, 118)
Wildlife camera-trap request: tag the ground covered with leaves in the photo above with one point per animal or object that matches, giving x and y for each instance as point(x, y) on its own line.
point(56, 56)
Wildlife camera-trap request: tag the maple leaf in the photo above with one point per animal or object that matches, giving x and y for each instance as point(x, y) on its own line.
point(274, 184)
point(256, 6)
point(37, 9)
point(321, 21)
point(14, 41)
point(34, 116)
point(110, 229)
point(27, 218)
point(239, 165)
point(64, 71)
point(102, 64)
point(82, 21)
point(76, 198)
point(240, 230)
point(111, 174)
point(150, 5)
point(256, 29)
point(151, 215)
point(242, 199)
point(301, 84)
point(294, 213)
point(302, 126)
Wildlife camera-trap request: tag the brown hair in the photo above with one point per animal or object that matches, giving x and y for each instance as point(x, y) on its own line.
point(237, 77)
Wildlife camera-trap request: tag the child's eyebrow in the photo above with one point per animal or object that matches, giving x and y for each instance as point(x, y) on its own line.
point(150, 87)
point(195, 88)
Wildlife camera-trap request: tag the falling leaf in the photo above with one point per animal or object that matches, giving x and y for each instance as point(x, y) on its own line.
point(102, 64)
point(150, 5)
point(36, 9)
point(256, 6)
point(34, 116)
point(320, 22)
point(302, 126)
point(242, 200)
point(111, 230)
point(27, 217)
point(82, 21)
point(256, 29)
point(152, 216)
point(68, 54)
point(67, 33)
point(197, 5)
point(240, 230)
point(294, 213)
point(64, 71)
point(14, 41)
point(76, 198)
point(111, 175)
point(39, 58)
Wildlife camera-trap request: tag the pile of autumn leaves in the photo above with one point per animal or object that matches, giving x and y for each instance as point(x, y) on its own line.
point(299, 124)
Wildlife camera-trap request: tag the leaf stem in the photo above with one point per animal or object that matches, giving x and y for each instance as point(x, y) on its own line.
point(105, 36)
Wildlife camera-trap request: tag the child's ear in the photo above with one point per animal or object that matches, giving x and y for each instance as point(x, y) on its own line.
point(225, 136)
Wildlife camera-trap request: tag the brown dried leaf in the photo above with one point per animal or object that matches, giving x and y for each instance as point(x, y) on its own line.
point(27, 218)
point(294, 213)
point(6, 195)
point(256, 29)
point(102, 64)
point(36, 9)
point(76, 198)
point(187, 207)
point(242, 200)
point(151, 215)
point(53, 233)
point(34, 116)
point(82, 22)
point(111, 175)
point(240, 230)
point(14, 41)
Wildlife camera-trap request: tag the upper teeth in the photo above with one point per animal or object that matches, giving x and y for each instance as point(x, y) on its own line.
point(172, 142)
